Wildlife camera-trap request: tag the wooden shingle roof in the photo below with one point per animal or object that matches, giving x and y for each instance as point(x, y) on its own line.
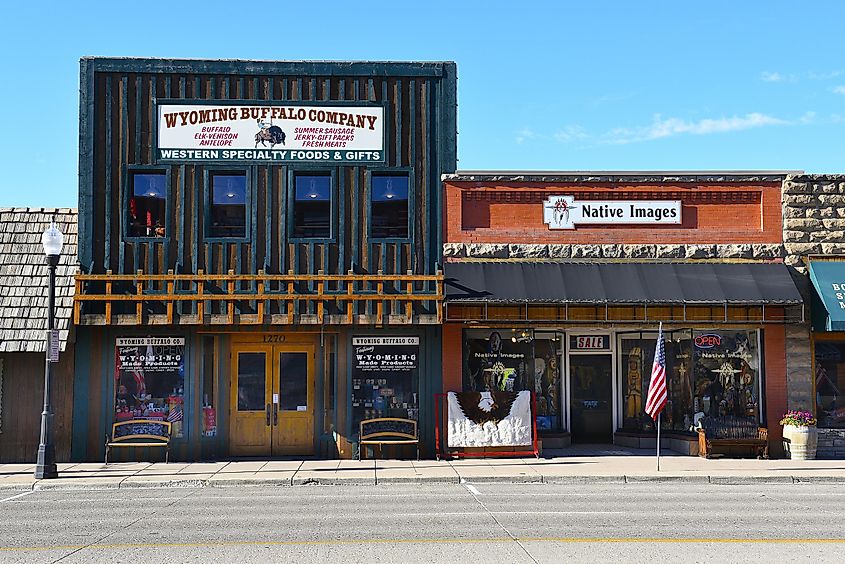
point(23, 277)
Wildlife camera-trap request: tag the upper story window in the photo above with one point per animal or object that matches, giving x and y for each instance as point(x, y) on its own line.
point(312, 206)
point(147, 204)
point(228, 204)
point(389, 206)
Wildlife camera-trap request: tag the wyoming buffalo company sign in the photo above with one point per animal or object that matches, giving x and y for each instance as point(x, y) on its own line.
point(276, 132)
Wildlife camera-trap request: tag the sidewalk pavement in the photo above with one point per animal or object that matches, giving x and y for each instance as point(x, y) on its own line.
point(567, 466)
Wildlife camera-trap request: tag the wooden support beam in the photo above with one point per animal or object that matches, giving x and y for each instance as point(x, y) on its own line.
point(108, 293)
point(77, 305)
point(200, 300)
point(409, 305)
point(380, 304)
point(139, 307)
point(350, 303)
point(230, 292)
point(290, 302)
point(320, 304)
point(170, 288)
point(260, 303)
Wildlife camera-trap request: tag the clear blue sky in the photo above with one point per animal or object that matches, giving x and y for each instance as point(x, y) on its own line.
point(541, 85)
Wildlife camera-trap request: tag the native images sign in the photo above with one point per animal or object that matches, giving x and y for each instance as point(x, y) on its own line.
point(563, 212)
point(278, 133)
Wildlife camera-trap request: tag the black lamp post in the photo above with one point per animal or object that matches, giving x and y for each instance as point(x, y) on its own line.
point(52, 240)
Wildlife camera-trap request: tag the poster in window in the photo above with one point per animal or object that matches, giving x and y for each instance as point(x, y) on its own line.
point(385, 377)
point(149, 380)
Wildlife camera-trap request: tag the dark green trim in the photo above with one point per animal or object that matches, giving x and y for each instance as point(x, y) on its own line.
point(128, 172)
point(248, 172)
point(81, 400)
point(392, 171)
point(304, 170)
point(247, 67)
point(86, 163)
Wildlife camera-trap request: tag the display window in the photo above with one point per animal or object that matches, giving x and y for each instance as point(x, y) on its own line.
point(712, 373)
point(385, 377)
point(830, 381)
point(150, 380)
point(147, 204)
point(514, 360)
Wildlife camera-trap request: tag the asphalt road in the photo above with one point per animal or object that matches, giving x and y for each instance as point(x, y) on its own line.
point(484, 522)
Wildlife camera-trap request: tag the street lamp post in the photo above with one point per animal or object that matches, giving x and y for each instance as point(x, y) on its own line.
point(52, 241)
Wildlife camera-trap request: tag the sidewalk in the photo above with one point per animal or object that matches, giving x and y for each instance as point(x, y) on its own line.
point(572, 465)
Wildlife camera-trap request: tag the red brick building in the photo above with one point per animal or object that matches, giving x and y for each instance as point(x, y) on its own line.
point(560, 280)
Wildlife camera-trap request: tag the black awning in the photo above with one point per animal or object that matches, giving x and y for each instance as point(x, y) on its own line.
point(620, 283)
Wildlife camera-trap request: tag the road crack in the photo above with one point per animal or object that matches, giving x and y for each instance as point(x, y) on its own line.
point(476, 496)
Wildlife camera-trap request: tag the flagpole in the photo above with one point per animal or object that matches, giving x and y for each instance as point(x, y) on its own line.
point(658, 441)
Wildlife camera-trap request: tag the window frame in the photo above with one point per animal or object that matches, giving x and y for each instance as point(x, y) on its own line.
point(392, 171)
point(207, 174)
point(291, 200)
point(128, 192)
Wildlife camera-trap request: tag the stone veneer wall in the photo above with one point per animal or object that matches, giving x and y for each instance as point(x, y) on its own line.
point(814, 224)
point(831, 443)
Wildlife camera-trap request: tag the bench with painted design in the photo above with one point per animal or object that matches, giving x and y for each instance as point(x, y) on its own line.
point(731, 434)
point(139, 433)
point(388, 431)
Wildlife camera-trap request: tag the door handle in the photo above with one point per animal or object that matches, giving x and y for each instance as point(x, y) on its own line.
point(268, 414)
point(275, 414)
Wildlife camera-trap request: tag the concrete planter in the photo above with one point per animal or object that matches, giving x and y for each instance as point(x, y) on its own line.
point(800, 442)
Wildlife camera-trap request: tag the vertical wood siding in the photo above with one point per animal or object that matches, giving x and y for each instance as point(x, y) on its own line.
point(119, 122)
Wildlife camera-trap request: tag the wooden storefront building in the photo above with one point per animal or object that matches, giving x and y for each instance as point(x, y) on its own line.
point(259, 245)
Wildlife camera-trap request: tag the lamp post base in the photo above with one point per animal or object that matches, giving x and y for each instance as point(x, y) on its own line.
point(45, 467)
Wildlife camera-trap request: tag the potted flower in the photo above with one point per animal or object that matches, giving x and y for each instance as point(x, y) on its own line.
point(799, 433)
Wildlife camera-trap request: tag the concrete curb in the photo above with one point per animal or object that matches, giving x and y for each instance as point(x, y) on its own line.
point(136, 483)
point(692, 479)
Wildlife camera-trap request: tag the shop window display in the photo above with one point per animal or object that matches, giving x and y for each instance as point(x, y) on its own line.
point(830, 381)
point(637, 358)
point(726, 365)
point(150, 380)
point(710, 373)
point(385, 378)
point(514, 360)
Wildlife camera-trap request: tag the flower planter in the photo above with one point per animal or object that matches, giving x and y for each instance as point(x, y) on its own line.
point(801, 443)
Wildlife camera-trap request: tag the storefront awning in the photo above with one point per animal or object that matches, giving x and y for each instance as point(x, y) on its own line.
point(828, 278)
point(593, 282)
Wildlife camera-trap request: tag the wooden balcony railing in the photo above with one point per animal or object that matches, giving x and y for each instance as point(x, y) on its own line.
point(244, 299)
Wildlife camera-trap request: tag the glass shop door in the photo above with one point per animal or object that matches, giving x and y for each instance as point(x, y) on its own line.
point(591, 398)
point(272, 393)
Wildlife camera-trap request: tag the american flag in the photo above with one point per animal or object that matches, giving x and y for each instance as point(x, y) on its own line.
point(656, 400)
point(175, 415)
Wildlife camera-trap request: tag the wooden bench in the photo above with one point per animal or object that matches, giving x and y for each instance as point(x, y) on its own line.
point(730, 434)
point(388, 431)
point(140, 433)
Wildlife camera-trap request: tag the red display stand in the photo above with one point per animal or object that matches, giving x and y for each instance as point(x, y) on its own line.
point(441, 439)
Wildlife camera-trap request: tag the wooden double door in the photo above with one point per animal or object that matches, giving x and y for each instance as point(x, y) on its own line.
point(272, 394)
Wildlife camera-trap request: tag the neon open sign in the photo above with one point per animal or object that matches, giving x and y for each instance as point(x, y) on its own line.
point(708, 341)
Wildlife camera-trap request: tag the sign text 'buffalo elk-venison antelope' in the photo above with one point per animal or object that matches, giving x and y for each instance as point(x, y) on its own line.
point(281, 133)
point(563, 212)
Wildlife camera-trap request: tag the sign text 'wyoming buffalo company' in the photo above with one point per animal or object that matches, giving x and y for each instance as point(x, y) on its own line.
point(278, 132)
point(563, 212)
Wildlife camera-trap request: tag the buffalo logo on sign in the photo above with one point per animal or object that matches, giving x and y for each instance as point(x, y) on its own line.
point(271, 133)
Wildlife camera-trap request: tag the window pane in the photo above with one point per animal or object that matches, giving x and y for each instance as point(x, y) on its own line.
point(228, 205)
point(830, 381)
point(251, 380)
point(293, 381)
point(147, 205)
point(637, 359)
point(389, 206)
point(312, 206)
point(149, 381)
point(725, 366)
